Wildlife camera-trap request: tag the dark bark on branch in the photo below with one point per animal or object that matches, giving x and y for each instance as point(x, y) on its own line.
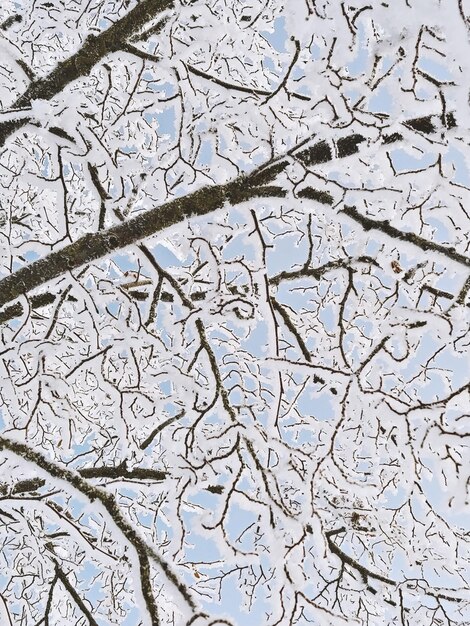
point(364, 572)
point(385, 227)
point(94, 49)
point(73, 593)
point(121, 471)
point(92, 493)
point(94, 246)
point(292, 328)
point(241, 88)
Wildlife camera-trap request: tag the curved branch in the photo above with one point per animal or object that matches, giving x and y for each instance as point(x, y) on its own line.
point(93, 493)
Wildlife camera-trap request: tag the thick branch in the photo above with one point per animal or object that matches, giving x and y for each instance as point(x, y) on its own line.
point(94, 246)
point(93, 493)
point(79, 64)
point(121, 472)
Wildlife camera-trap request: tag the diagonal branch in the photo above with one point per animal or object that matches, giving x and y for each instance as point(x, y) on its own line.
point(93, 50)
point(73, 593)
point(364, 571)
point(93, 493)
point(94, 246)
point(385, 227)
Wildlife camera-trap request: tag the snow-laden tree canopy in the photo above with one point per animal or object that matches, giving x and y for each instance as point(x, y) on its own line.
point(234, 282)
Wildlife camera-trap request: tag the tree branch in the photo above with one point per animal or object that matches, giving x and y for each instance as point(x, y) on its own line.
point(93, 493)
point(94, 246)
point(94, 49)
point(73, 593)
point(385, 227)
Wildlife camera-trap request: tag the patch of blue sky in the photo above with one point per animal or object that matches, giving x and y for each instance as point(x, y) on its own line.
point(387, 62)
point(165, 386)
point(171, 408)
point(132, 616)
point(167, 121)
point(297, 73)
point(31, 256)
point(328, 318)
point(363, 470)
point(113, 308)
point(163, 526)
point(352, 349)
point(285, 248)
point(17, 264)
point(395, 497)
point(46, 166)
point(245, 484)
point(365, 325)
point(257, 158)
point(352, 94)
point(299, 435)
point(381, 101)
point(403, 161)
point(214, 418)
point(278, 37)
point(461, 171)
point(318, 405)
point(343, 178)
point(125, 262)
point(296, 298)
point(436, 70)
point(269, 64)
point(89, 573)
point(223, 146)
point(145, 518)
point(129, 149)
point(168, 88)
point(85, 446)
point(316, 52)
point(359, 64)
point(424, 93)
point(238, 520)
point(127, 491)
point(206, 499)
point(257, 337)
point(4, 580)
point(401, 567)
point(150, 117)
point(450, 281)
point(441, 233)
point(458, 367)
point(198, 548)
point(246, 144)
point(206, 153)
point(373, 246)
point(165, 256)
